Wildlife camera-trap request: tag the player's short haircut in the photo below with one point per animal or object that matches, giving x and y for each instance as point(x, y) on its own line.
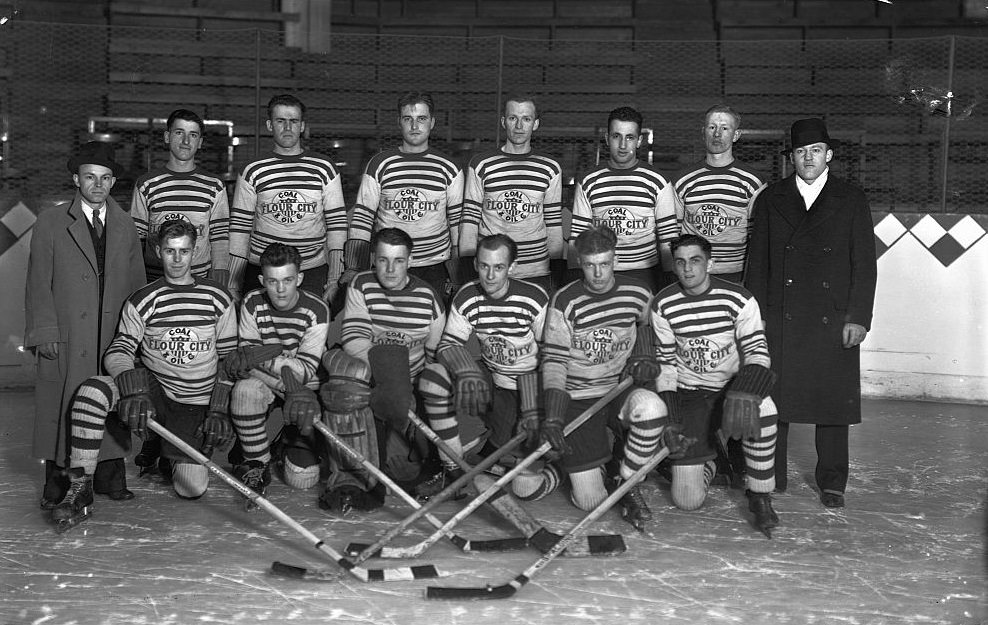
point(411, 98)
point(625, 114)
point(176, 229)
point(685, 240)
point(185, 115)
point(279, 255)
point(723, 108)
point(391, 236)
point(521, 96)
point(596, 239)
point(285, 99)
point(494, 241)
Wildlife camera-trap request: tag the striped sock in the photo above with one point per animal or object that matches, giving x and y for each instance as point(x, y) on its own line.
point(534, 485)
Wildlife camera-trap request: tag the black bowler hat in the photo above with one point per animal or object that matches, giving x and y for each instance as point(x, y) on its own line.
point(808, 132)
point(95, 153)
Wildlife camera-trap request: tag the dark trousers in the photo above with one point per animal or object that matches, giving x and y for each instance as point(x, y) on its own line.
point(831, 457)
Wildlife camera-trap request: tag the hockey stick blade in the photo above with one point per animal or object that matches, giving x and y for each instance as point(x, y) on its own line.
point(509, 589)
point(583, 546)
point(403, 574)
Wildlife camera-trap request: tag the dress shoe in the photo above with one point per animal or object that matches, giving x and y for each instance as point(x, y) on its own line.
point(120, 495)
point(832, 500)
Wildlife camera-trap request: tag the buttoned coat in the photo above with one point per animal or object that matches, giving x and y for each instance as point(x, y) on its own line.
point(812, 271)
point(63, 304)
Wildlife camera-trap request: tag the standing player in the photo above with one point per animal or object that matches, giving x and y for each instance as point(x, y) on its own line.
point(507, 317)
point(85, 260)
point(714, 198)
point(632, 199)
point(414, 188)
point(293, 197)
point(179, 190)
point(180, 326)
point(591, 332)
point(384, 307)
point(715, 375)
point(279, 314)
point(515, 191)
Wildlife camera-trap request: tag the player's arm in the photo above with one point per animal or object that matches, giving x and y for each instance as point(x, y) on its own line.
point(454, 210)
point(473, 203)
point(304, 362)
point(666, 224)
point(457, 331)
point(241, 228)
point(355, 333)
point(582, 220)
point(219, 238)
point(435, 331)
point(749, 332)
point(122, 351)
point(555, 370)
point(334, 214)
point(356, 250)
point(552, 207)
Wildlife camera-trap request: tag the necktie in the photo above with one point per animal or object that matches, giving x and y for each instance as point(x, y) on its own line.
point(97, 223)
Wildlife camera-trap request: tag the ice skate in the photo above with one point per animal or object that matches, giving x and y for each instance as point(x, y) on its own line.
point(256, 476)
point(77, 505)
point(760, 504)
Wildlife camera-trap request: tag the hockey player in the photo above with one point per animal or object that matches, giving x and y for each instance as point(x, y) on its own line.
point(507, 317)
point(715, 375)
point(414, 188)
point(296, 323)
point(291, 196)
point(180, 190)
point(714, 198)
point(590, 335)
point(180, 326)
point(515, 191)
point(388, 312)
point(633, 199)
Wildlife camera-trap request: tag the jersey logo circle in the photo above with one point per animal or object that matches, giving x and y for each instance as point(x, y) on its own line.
point(410, 205)
point(512, 206)
point(180, 346)
point(621, 221)
point(288, 207)
point(703, 355)
point(708, 220)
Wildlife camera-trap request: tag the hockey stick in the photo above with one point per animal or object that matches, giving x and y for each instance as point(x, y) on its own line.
point(512, 510)
point(404, 573)
point(418, 549)
point(509, 589)
point(505, 544)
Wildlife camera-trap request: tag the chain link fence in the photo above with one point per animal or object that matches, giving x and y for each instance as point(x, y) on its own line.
point(908, 113)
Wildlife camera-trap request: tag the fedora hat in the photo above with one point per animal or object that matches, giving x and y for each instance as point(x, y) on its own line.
point(95, 153)
point(807, 132)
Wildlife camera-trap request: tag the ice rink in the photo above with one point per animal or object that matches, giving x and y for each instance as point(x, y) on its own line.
point(908, 549)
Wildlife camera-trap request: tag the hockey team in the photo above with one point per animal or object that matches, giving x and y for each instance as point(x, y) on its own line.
point(457, 307)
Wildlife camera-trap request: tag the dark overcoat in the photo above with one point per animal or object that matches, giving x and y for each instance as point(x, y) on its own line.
point(63, 304)
point(811, 271)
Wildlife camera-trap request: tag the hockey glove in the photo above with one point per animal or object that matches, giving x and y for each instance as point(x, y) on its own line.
point(529, 423)
point(556, 405)
point(239, 362)
point(473, 393)
point(741, 405)
point(301, 404)
point(216, 429)
point(135, 405)
point(642, 365)
point(675, 442)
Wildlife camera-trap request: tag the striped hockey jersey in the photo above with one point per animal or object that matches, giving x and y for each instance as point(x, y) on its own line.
point(180, 332)
point(420, 193)
point(196, 197)
point(508, 329)
point(716, 203)
point(296, 200)
point(639, 204)
point(698, 337)
point(519, 195)
point(301, 332)
point(412, 316)
point(589, 336)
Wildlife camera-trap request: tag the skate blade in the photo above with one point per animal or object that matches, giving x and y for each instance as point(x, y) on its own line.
point(767, 531)
point(64, 525)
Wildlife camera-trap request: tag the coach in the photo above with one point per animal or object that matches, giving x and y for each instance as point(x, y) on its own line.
point(811, 266)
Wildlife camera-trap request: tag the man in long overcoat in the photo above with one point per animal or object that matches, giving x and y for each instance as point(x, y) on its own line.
point(85, 260)
point(812, 268)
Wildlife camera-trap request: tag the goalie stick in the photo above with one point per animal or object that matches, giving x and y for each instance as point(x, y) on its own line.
point(403, 573)
point(509, 589)
point(416, 550)
point(512, 510)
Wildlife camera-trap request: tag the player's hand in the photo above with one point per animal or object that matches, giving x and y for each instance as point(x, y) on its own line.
point(302, 409)
point(135, 407)
point(675, 442)
point(853, 335)
point(529, 424)
point(216, 430)
point(48, 351)
point(347, 277)
point(552, 433)
point(642, 369)
point(741, 415)
point(556, 406)
point(330, 291)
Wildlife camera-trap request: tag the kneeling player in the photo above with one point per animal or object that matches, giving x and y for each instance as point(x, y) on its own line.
point(507, 317)
point(180, 326)
point(700, 325)
point(590, 334)
point(294, 324)
point(392, 323)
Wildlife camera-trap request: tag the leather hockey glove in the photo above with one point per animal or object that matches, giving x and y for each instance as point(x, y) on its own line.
point(216, 429)
point(742, 403)
point(239, 362)
point(135, 405)
point(556, 405)
point(302, 407)
point(530, 421)
point(642, 366)
point(472, 391)
point(675, 442)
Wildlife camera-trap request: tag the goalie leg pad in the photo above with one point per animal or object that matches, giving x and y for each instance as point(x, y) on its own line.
point(359, 433)
point(90, 406)
point(190, 480)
